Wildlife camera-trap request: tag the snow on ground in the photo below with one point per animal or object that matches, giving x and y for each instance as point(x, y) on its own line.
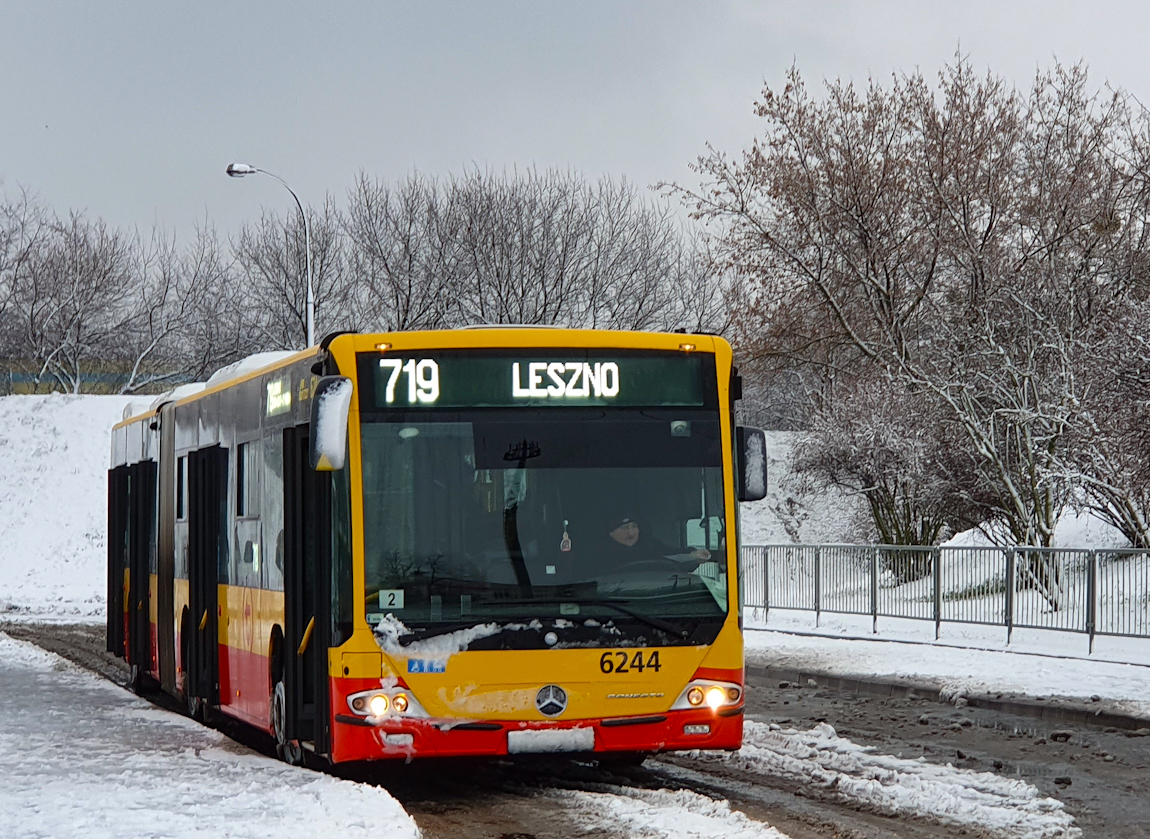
point(662, 814)
point(88, 759)
point(1075, 529)
point(791, 512)
point(896, 786)
point(53, 504)
point(961, 669)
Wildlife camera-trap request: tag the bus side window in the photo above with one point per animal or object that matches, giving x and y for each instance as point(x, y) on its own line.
point(273, 510)
point(248, 556)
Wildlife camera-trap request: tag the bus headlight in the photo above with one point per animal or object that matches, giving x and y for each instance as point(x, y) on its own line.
point(389, 702)
point(714, 695)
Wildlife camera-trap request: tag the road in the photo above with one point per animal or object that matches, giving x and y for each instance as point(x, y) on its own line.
point(1099, 774)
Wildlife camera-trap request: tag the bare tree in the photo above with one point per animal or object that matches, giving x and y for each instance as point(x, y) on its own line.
point(526, 247)
point(898, 452)
point(402, 253)
point(272, 266)
point(962, 238)
point(74, 301)
point(188, 315)
point(24, 227)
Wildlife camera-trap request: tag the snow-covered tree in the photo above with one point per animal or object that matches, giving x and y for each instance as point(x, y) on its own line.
point(964, 238)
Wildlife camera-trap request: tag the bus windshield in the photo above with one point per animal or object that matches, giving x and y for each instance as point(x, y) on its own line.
point(582, 526)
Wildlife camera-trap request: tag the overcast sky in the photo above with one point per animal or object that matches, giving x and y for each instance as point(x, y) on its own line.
point(131, 111)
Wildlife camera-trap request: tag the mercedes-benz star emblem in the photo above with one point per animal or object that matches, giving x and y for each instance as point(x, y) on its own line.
point(551, 700)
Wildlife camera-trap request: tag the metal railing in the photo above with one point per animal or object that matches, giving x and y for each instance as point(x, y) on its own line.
point(1095, 592)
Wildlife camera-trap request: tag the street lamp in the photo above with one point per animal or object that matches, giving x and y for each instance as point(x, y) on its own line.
point(238, 170)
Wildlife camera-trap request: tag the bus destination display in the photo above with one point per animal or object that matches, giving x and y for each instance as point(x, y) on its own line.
point(449, 380)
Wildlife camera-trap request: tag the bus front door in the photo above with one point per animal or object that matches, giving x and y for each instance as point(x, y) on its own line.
point(307, 594)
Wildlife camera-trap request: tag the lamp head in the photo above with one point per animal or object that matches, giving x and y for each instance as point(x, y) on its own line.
point(238, 170)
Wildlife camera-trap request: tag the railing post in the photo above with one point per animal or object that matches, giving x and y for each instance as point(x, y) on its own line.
point(1092, 598)
point(818, 584)
point(936, 574)
point(874, 591)
point(766, 589)
point(1011, 574)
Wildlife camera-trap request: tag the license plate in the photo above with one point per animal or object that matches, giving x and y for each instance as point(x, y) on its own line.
point(550, 740)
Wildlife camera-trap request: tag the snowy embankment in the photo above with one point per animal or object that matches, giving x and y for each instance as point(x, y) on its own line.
point(53, 504)
point(832, 766)
point(1120, 687)
point(792, 513)
point(819, 758)
point(107, 764)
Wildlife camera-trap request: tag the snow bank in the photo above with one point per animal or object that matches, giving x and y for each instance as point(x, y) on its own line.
point(647, 813)
point(789, 513)
point(53, 503)
point(104, 764)
point(895, 786)
point(1074, 530)
point(966, 671)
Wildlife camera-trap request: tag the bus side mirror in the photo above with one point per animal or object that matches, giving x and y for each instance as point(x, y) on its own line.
point(751, 447)
point(330, 404)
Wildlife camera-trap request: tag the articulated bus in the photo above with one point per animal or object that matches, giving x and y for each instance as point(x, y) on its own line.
point(484, 541)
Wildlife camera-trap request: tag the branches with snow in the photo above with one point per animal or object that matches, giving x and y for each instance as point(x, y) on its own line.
point(964, 242)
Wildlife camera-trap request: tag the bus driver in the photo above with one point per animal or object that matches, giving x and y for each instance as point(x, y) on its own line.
point(627, 545)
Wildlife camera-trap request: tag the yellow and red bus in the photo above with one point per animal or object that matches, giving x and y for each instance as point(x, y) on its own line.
point(483, 541)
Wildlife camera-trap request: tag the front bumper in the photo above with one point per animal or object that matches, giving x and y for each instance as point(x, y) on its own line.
point(354, 738)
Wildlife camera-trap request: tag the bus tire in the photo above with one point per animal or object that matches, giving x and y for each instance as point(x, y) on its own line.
point(289, 751)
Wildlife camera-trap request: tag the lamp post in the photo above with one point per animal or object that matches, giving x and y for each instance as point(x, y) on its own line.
point(238, 170)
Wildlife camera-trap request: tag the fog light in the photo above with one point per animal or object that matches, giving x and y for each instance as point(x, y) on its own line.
point(358, 704)
point(695, 696)
point(716, 696)
point(399, 703)
point(378, 705)
point(696, 729)
point(733, 694)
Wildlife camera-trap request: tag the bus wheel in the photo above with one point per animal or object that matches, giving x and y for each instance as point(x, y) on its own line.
point(289, 751)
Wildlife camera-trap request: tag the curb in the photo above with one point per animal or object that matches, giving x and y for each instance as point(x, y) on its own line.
point(1023, 706)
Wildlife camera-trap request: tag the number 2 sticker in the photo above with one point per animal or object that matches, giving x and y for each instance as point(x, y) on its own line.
point(391, 598)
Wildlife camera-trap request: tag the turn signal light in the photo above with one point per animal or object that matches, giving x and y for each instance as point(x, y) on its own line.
point(695, 696)
point(399, 702)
